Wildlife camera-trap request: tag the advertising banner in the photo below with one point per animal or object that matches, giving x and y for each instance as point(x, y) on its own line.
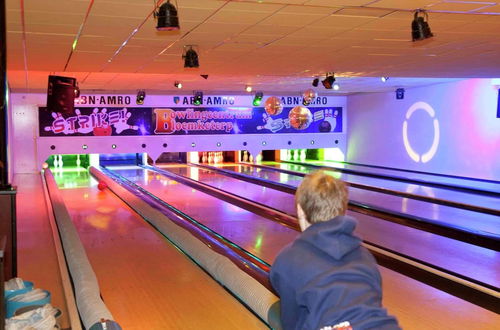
point(123, 121)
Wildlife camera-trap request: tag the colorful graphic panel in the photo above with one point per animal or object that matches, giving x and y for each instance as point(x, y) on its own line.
point(189, 121)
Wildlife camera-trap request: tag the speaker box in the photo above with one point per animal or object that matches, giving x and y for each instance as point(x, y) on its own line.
point(61, 95)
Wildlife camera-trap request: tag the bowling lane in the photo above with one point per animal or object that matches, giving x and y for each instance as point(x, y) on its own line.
point(462, 182)
point(471, 221)
point(145, 281)
point(489, 202)
point(466, 259)
point(246, 229)
point(404, 297)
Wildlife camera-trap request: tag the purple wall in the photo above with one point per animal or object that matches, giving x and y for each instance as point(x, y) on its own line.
point(468, 132)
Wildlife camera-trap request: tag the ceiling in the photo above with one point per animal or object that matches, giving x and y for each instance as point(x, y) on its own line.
point(275, 46)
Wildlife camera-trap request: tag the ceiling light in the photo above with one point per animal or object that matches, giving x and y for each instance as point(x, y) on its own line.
point(141, 95)
point(198, 98)
point(248, 88)
point(167, 17)
point(336, 87)
point(190, 57)
point(315, 82)
point(329, 80)
point(420, 29)
point(384, 79)
point(257, 99)
point(178, 84)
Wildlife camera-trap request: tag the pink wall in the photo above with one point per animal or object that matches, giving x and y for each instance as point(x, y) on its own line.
point(469, 132)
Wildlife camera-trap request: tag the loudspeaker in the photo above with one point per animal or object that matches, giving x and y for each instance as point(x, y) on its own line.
point(61, 95)
point(400, 93)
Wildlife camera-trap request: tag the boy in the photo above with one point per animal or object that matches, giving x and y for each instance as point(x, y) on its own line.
point(325, 278)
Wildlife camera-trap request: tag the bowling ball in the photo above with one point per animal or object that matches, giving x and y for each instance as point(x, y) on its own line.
point(308, 96)
point(273, 106)
point(300, 117)
point(102, 185)
point(102, 131)
point(325, 127)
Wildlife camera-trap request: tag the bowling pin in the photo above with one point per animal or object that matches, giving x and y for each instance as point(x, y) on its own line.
point(210, 157)
point(60, 161)
point(302, 155)
point(56, 161)
point(204, 158)
point(245, 156)
point(250, 159)
point(258, 159)
point(78, 162)
point(295, 154)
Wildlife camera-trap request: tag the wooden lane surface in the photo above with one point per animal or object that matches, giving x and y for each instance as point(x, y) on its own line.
point(145, 281)
point(36, 255)
point(416, 305)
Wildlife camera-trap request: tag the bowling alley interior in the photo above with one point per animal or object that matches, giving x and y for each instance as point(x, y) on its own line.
point(151, 151)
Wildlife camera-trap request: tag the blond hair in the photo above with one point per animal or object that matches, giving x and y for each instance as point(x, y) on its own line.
point(321, 197)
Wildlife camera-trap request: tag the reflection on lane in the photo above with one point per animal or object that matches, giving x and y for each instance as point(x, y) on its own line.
point(257, 235)
point(439, 193)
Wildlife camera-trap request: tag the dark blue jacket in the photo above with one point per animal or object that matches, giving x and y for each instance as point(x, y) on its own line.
point(326, 277)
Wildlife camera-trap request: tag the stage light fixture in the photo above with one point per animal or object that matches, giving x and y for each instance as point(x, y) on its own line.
point(168, 20)
point(328, 81)
point(420, 29)
point(141, 95)
point(178, 84)
point(315, 82)
point(384, 79)
point(248, 88)
point(190, 57)
point(204, 76)
point(257, 99)
point(198, 98)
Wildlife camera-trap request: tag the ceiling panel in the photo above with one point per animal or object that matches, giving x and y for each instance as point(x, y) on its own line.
point(271, 44)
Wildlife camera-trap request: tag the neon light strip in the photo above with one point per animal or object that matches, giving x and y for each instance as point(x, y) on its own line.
point(77, 37)
point(24, 44)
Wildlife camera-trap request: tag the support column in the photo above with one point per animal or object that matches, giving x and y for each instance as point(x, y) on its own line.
point(7, 192)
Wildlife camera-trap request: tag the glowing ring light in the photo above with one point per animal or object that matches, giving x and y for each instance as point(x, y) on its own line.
point(426, 156)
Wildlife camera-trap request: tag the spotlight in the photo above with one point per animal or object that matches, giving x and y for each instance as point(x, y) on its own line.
point(257, 99)
point(248, 88)
point(141, 95)
point(328, 82)
point(315, 82)
point(178, 85)
point(167, 17)
point(198, 98)
point(400, 93)
point(190, 58)
point(336, 87)
point(384, 79)
point(420, 29)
